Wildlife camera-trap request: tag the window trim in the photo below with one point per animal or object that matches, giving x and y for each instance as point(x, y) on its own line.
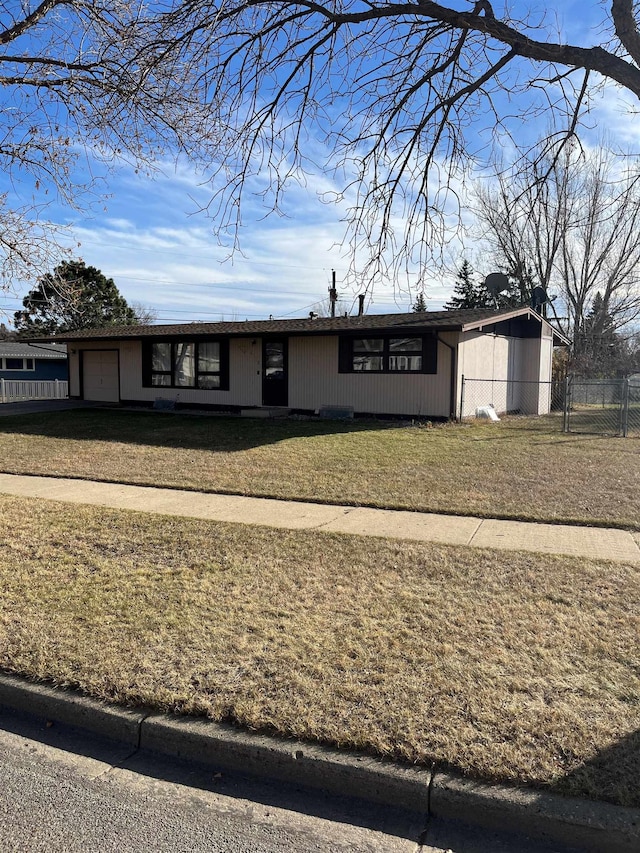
point(24, 360)
point(148, 372)
point(429, 353)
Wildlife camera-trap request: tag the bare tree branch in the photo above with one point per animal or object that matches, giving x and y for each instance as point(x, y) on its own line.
point(577, 231)
point(622, 12)
point(389, 101)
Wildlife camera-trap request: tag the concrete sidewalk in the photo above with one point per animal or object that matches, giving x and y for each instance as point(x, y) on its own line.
point(591, 542)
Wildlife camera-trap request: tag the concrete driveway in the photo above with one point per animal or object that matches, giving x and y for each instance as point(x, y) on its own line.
point(29, 407)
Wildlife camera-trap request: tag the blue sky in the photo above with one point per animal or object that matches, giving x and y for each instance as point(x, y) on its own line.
point(150, 238)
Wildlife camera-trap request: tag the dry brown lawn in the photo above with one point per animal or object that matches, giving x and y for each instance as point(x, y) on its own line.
point(516, 667)
point(521, 468)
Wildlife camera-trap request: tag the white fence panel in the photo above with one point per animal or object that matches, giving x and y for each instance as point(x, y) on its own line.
point(16, 390)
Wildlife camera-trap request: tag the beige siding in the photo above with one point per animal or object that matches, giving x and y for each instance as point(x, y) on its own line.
point(245, 381)
point(74, 353)
point(74, 371)
point(314, 381)
point(525, 362)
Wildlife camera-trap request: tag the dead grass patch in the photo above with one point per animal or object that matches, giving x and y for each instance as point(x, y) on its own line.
point(514, 667)
point(521, 468)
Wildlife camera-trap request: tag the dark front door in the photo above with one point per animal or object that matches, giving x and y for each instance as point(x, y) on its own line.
point(275, 381)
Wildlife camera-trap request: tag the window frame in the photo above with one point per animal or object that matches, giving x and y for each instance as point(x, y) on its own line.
point(199, 372)
point(25, 360)
point(148, 372)
point(428, 353)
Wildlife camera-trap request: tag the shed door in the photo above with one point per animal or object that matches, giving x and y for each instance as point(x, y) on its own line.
point(100, 376)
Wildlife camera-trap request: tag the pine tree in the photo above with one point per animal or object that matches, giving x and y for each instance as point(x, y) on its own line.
point(74, 296)
point(420, 303)
point(466, 292)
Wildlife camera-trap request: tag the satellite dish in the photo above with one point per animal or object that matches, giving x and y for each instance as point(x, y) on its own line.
point(496, 282)
point(538, 297)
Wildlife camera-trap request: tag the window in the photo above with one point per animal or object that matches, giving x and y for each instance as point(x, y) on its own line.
point(209, 364)
point(185, 364)
point(416, 354)
point(17, 364)
point(184, 373)
point(368, 353)
point(405, 354)
point(161, 364)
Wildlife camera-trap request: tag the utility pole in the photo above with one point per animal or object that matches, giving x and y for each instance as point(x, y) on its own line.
point(333, 293)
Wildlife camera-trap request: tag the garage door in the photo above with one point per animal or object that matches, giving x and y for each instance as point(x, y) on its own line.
point(100, 375)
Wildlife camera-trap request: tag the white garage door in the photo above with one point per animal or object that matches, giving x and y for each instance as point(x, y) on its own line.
point(100, 375)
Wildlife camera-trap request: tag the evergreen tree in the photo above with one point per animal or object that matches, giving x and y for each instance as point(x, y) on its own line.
point(466, 292)
point(420, 303)
point(73, 297)
point(598, 349)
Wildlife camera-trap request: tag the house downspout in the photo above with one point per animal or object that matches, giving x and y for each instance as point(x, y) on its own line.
point(454, 367)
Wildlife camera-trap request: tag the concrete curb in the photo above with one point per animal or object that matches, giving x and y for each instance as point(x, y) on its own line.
point(66, 706)
point(314, 766)
point(583, 824)
point(587, 825)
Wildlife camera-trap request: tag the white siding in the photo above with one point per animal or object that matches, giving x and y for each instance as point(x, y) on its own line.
point(314, 381)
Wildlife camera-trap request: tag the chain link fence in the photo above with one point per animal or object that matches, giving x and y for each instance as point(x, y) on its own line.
point(602, 406)
point(575, 404)
point(511, 397)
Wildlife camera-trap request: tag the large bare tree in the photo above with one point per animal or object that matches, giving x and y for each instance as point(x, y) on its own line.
point(384, 95)
point(402, 96)
point(81, 89)
point(570, 221)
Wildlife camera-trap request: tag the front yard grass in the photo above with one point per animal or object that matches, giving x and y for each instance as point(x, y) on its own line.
point(520, 468)
point(514, 667)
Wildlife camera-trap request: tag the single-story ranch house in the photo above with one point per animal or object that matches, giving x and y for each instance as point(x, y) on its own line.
point(33, 362)
point(386, 364)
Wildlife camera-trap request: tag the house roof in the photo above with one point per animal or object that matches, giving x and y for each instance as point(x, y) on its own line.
point(423, 321)
point(14, 349)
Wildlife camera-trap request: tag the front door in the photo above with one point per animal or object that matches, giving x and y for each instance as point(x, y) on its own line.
point(275, 381)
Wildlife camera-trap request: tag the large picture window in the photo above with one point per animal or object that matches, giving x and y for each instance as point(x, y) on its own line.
point(186, 364)
point(415, 354)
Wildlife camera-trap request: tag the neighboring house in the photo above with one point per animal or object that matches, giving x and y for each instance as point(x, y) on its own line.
point(33, 362)
point(390, 364)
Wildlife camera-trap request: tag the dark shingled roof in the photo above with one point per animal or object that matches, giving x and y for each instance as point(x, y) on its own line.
point(436, 321)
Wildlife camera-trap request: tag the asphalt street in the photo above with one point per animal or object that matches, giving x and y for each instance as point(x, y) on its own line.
point(64, 790)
